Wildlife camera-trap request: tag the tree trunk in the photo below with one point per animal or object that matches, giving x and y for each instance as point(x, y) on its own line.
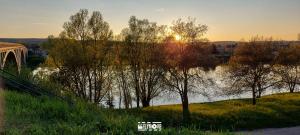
point(291, 90)
point(137, 93)
point(292, 87)
point(90, 85)
point(145, 103)
point(259, 93)
point(120, 98)
point(144, 97)
point(185, 109)
point(137, 87)
point(185, 101)
point(253, 96)
point(259, 90)
point(126, 103)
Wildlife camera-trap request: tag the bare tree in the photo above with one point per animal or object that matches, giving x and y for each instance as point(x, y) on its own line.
point(288, 62)
point(185, 59)
point(250, 68)
point(152, 73)
point(143, 55)
point(123, 76)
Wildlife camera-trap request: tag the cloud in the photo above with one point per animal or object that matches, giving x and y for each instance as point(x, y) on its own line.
point(160, 10)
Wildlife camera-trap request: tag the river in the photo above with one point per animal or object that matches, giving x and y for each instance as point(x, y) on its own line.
point(211, 92)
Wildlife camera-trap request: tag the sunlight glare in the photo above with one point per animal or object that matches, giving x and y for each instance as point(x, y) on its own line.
point(177, 37)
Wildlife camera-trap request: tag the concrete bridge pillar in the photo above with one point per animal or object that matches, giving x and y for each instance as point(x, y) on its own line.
point(18, 51)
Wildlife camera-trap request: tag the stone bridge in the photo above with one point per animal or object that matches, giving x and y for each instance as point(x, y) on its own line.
point(12, 52)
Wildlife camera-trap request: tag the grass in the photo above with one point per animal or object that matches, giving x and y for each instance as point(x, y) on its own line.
point(273, 111)
point(25, 114)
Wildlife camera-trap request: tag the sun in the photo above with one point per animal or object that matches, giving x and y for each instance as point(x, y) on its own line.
point(177, 37)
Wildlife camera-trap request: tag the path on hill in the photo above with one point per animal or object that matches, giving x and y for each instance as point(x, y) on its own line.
point(273, 131)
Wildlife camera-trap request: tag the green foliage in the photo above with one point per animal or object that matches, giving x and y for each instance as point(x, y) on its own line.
point(34, 61)
point(82, 53)
point(38, 83)
point(11, 68)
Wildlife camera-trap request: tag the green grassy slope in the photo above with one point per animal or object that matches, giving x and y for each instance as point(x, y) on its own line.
point(25, 114)
point(279, 110)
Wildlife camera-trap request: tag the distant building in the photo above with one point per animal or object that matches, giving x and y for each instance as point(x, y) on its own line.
point(36, 50)
point(295, 43)
point(225, 47)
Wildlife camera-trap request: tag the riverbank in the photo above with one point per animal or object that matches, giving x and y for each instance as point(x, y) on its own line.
point(25, 114)
point(272, 111)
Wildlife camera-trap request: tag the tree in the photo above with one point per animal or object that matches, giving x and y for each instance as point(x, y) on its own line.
point(186, 59)
point(122, 77)
point(143, 54)
point(152, 73)
point(288, 61)
point(81, 53)
point(250, 68)
point(189, 32)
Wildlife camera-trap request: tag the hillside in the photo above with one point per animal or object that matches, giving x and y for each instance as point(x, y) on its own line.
point(27, 41)
point(273, 111)
point(25, 114)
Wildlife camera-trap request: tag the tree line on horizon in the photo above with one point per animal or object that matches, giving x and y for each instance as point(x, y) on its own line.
point(149, 59)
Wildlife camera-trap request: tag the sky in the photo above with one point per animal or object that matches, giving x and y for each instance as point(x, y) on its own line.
point(232, 20)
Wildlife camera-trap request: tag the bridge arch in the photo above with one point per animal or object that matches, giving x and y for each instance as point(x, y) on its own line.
point(12, 52)
point(10, 61)
point(23, 56)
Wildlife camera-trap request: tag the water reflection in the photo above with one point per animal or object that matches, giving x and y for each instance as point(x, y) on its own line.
point(204, 94)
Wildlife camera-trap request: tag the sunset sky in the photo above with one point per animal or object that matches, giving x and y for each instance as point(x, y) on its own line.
point(226, 19)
